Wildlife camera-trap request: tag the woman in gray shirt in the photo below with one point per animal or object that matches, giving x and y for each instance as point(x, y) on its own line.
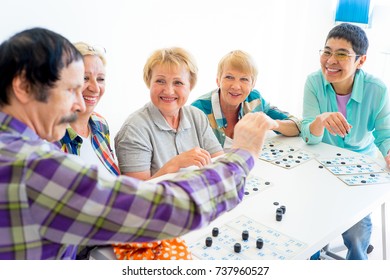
point(165, 136)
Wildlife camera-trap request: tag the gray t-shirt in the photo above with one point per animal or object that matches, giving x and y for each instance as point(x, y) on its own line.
point(146, 141)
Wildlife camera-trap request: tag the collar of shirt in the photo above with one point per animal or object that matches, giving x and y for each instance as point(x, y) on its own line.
point(94, 122)
point(358, 86)
point(159, 120)
point(217, 110)
point(9, 123)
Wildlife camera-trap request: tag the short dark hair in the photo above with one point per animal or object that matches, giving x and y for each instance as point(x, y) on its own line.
point(37, 54)
point(353, 34)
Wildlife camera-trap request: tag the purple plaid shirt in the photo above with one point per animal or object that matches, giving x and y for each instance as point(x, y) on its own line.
point(51, 201)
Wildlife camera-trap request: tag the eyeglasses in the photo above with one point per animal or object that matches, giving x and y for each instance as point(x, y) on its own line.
point(339, 55)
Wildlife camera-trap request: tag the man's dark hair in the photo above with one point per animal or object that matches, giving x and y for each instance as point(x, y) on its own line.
point(37, 55)
point(351, 33)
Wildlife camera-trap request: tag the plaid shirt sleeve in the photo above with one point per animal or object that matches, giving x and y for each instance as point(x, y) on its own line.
point(51, 201)
point(70, 205)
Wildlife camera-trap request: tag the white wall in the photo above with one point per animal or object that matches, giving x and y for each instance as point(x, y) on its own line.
point(283, 36)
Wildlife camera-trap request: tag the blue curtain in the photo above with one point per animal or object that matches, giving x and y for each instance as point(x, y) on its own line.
point(353, 11)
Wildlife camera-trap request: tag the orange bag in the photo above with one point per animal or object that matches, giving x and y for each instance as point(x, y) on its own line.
point(171, 249)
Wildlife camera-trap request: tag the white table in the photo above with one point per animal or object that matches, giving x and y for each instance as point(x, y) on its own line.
point(320, 206)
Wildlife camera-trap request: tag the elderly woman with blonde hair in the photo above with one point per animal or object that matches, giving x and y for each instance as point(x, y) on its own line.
point(89, 136)
point(236, 96)
point(163, 137)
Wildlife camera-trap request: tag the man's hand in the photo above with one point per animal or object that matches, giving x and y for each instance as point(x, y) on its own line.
point(250, 131)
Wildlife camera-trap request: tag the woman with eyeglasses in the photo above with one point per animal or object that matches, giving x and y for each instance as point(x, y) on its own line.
point(89, 136)
point(236, 96)
point(348, 108)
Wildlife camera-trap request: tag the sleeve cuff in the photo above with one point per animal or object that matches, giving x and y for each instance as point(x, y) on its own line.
point(310, 138)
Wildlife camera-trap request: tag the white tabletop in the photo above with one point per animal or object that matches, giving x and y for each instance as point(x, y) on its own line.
point(319, 205)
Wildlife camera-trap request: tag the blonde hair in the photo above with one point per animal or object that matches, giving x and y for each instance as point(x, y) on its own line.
point(86, 49)
point(239, 60)
point(172, 57)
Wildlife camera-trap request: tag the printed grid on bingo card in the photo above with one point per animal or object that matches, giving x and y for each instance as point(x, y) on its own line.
point(356, 170)
point(283, 155)
point(276, 246)
point(255, 185)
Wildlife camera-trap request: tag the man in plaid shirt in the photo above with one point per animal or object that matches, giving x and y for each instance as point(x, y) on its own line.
point(51, 202)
